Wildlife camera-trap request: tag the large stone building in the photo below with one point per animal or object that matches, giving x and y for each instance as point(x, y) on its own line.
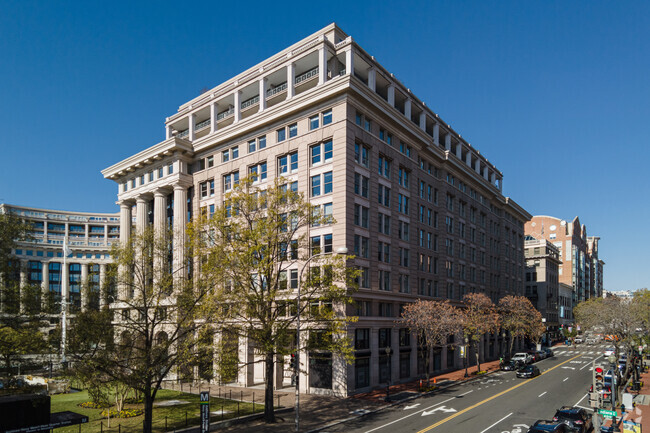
point(39, 261)
point(421, 209)
point(580, 265)
point(542, 286)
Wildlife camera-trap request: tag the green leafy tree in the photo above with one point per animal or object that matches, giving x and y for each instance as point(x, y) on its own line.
point(249, 248)
point(12, 230)
point(150, 329)
point(18, 341)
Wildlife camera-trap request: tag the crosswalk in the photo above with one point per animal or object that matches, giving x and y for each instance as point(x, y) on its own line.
point(595, 349)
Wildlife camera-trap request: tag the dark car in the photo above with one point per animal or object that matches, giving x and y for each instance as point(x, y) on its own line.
point(549, 352)
point(577, 418)
point(535, 355)
point(542, 426)
point(528, 372)
point(511, 366)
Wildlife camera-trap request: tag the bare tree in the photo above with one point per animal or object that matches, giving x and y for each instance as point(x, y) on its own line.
point(432, 322)
point(478, 318)
point(254, 249)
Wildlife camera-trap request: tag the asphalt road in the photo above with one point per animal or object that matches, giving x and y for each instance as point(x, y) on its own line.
point(498, 403)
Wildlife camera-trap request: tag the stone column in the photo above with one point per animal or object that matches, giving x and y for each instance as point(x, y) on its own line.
point(349, 61)
point(372, 79)
point(391, 94)
point(214, 110)
point(291, 80)
point(191, 120)
point(407, 108)
point(448, 142)
point(374, 356)
point(141, 215)
point(477, 166)
point(468, 158)
point(459, 150)
point(23, 284)
point(102, 285)
point(237, 98)
point(180, 222)
point(394, 356)
point(485, 173)
point(45, 285)
point(322, 65)
point(125, 222)
point(262, 91)
point(436, 134)
point(160, 232)
point(423, 121)
point(85, 287)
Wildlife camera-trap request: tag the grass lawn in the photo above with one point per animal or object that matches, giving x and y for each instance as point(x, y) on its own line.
point(175, 414)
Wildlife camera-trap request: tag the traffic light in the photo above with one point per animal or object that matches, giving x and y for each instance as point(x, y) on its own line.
point(294, 362)
point(596, 396)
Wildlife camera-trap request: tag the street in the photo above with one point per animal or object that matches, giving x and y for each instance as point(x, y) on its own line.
point(498, 403)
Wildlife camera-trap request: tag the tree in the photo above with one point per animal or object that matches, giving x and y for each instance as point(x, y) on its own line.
point(12, 230)
point(254, 249)
point(518, 316)
point(432, 322)
point(153, 325)
point(17, 341)
point(478, 318)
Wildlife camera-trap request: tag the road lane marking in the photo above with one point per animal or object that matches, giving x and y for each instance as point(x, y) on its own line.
point(542, 394)
point(565, 379)
point(426, 429)
point(583, 397)
point(414, 413)
point(412, 406)
point(441, 408)
point(496, 422)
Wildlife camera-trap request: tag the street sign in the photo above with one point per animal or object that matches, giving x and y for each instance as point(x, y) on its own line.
point(607, 413)
point(205, 411)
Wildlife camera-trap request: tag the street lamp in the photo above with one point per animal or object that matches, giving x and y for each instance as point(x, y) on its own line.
point(465, 353)
point(341, 250)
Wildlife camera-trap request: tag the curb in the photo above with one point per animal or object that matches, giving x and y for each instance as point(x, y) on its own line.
point(343, 420)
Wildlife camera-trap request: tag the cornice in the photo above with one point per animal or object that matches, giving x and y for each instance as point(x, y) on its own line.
point(148, 156)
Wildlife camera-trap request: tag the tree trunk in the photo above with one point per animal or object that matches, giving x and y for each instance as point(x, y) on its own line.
point(511, 343)
point(478, 358)
point(269, 413)
point(148, 411)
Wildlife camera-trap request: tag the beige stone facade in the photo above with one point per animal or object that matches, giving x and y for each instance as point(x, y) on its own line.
point(421, 209)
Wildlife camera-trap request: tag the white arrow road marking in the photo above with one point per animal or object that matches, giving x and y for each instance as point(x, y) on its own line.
point(542, 394)
point(415, 413)
point(575, 362)
point(569, 368)
point(441, 408)
point(496, 422)
point(412, 406)
point(360, 411)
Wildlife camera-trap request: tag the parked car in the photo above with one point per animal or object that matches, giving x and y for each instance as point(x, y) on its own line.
point(549, 352)
point(577, 418)
point(534, 355)
point(609, 352)
point(522, 357)
point(512, 366)
point(529, 372)
point(541, 353)
point(543, 426)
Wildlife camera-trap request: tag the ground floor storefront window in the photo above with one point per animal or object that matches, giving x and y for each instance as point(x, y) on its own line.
point(320, 370)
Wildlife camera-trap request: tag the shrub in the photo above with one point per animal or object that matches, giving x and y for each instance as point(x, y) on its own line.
point(126, 413)
point(93, 405)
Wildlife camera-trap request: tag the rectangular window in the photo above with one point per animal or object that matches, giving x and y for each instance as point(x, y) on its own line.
point(210, 161)
point(327, 117)
point(281, 134)
point(252, 146)
point(361, 153)
point(362, 339)
point(403, 177)
point(225, 156)
point(403, 231)
point(403, 204)
point(142, 180)
point(361, 246)
point(258, 172)
point(313, 122)
point(361, 185)
point(383, 252)
point(160, 173)
point(151, 176)
point(404, 286)
point(367, 125)
point(384, 166)
point(170, 169)
point(288, 163)
point(384, 283)
point(315, 186)
point(384, 195)
point(327, 183)
point(293, 130)
point(384, 224)
point(361, 216)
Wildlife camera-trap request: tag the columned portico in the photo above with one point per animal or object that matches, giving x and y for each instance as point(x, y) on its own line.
point(180, 222)
point(140, 215)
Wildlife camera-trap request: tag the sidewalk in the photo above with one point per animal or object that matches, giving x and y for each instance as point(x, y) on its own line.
point(317, 411)
point(641, 413)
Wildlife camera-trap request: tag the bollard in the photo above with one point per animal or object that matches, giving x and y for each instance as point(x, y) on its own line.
point(119, 428)
point(101, 427)
point(231, 394)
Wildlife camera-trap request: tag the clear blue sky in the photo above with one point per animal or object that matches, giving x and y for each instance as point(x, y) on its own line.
point(555, 93)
